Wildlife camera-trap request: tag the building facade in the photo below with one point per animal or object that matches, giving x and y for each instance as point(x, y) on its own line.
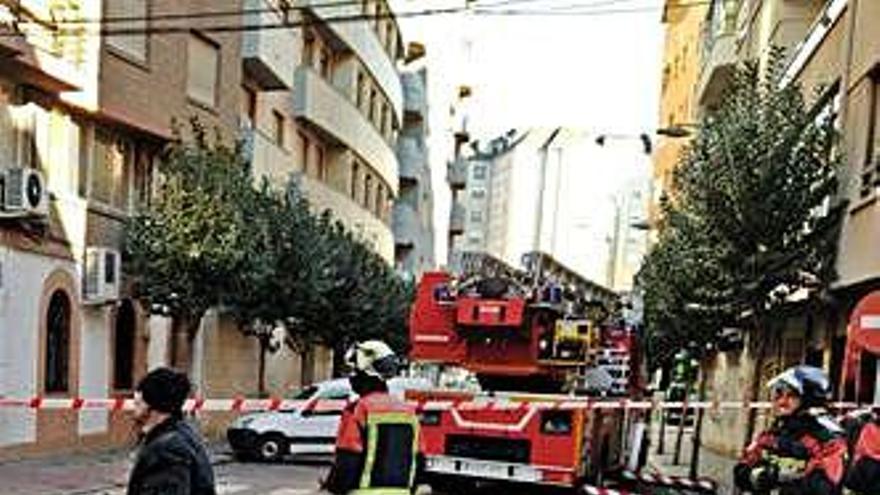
point(84, 114)
point(829, 49)
point(414, 209)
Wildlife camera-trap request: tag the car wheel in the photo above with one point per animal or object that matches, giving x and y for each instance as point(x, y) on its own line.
point(272, 447)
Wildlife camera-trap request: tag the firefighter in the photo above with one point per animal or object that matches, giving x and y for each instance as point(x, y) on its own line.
point(378, 438)
point(863, 436)
point(804, 450)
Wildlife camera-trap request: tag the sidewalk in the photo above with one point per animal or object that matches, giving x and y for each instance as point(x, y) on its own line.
point(712, 465)
point(100, 473)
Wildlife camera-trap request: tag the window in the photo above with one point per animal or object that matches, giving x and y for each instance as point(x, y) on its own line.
point(380, 193)
point(477, 216)
point(143, 175)
point(58, 343)
point(203, 64)
point(112, 163)
point(123, 347)
point(278, 130)
point(359, 90)
point(368, 188)
point(871, 170)
point(478, 194)
point(304, 152)
point(325, 65)
point(383, 116)
point(479, 172)
point(354, 179)
point(322, 165)
point(136, 13)
point(371, 110)
point(248, 106)
point(389, 38)
point(308, 50)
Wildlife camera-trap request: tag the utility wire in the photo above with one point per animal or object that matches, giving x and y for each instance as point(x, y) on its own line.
point(75, 28)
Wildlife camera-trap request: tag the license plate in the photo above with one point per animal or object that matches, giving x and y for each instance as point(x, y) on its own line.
point(482, 469)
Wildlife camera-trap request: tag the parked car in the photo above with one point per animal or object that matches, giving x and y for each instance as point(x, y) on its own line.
point(272, 435)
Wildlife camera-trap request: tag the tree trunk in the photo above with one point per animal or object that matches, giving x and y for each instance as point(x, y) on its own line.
point(261, 377)
point(698, 427)
point(183, 330)
point(755, 385)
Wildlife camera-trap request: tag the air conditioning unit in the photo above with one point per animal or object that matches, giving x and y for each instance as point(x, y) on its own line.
point(102, 275)
point(23, 193)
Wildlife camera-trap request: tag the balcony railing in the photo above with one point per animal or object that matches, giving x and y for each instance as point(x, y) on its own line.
point(457, 218)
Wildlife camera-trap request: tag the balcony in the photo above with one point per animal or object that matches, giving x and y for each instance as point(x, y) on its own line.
point(719, 53)
point(412, 157)
point(415, 102)
point(362, 222)
point(318, 103)
point(456, 173)
point(457, 218)
point(361, 38)
point(34, 57)
point(267, 159)
point(406, 225)
point(266, 52)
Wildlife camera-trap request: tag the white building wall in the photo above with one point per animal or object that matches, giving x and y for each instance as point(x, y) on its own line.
point(94, 371)
point(159, 328)
point(23, 278)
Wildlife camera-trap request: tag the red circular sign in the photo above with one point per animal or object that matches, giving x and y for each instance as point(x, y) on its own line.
point(864, 323)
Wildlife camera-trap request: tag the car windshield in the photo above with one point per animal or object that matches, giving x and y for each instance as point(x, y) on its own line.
point(305, 393)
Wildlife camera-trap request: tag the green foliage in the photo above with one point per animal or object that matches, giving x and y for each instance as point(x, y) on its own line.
point(212, 239)
point(750, 220)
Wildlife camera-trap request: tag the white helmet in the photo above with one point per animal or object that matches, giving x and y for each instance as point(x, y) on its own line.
point(374, 358)
point(809, 382)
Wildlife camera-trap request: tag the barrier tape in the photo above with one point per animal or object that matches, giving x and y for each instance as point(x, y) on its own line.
point(595, 490)
point(243, 405)
point(702, 484)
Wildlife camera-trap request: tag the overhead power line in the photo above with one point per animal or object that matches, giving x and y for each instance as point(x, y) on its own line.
point(76, 27)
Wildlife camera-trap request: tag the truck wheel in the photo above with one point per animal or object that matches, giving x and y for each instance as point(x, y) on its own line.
point(272, 447)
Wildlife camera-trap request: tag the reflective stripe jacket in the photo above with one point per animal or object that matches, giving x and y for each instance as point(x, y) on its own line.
point(376, 448)
point(808, 452)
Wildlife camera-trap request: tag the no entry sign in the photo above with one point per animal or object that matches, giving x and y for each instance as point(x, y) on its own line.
point(864, 323)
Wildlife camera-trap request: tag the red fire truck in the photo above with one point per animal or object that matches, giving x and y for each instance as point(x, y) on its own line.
point(542, 352)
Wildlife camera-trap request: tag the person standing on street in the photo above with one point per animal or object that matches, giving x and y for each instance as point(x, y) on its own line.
point(804, 451)
point(378, 439)
point(171, 459)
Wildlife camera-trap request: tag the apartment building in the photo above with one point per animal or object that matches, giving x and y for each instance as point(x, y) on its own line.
point(681, 69)
point(85, 109)
point(832, 51)
point(413, 215)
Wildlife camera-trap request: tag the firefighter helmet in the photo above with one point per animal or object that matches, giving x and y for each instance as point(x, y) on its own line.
point(809, 382)
point(374, 358)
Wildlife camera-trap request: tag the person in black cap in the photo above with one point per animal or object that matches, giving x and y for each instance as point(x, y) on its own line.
point(171, 459)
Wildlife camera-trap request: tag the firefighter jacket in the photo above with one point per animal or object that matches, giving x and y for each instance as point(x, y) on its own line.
point(800, 454)
point(376, 448)
point(863, 474)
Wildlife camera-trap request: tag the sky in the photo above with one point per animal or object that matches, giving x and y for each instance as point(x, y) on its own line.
point(592, 65)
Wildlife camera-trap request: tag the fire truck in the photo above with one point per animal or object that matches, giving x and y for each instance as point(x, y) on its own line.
point(543, 350)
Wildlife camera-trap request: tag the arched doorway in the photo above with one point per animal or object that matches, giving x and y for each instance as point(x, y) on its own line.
point(123, 346)
point(57, 362)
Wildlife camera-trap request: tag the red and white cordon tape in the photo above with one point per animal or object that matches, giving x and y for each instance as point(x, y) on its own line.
point(241, 404)
point(595, 490)
point(702, 484)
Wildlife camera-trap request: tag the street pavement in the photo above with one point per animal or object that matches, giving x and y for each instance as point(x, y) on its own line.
point(106, 474)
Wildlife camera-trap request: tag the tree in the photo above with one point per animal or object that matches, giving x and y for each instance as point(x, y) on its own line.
point(750, 220)
point(186, 247)
point(214, 240)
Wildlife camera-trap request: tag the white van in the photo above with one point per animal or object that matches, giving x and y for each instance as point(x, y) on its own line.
point(271, 435)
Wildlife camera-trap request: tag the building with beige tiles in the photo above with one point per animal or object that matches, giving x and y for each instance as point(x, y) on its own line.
point(832, 51)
